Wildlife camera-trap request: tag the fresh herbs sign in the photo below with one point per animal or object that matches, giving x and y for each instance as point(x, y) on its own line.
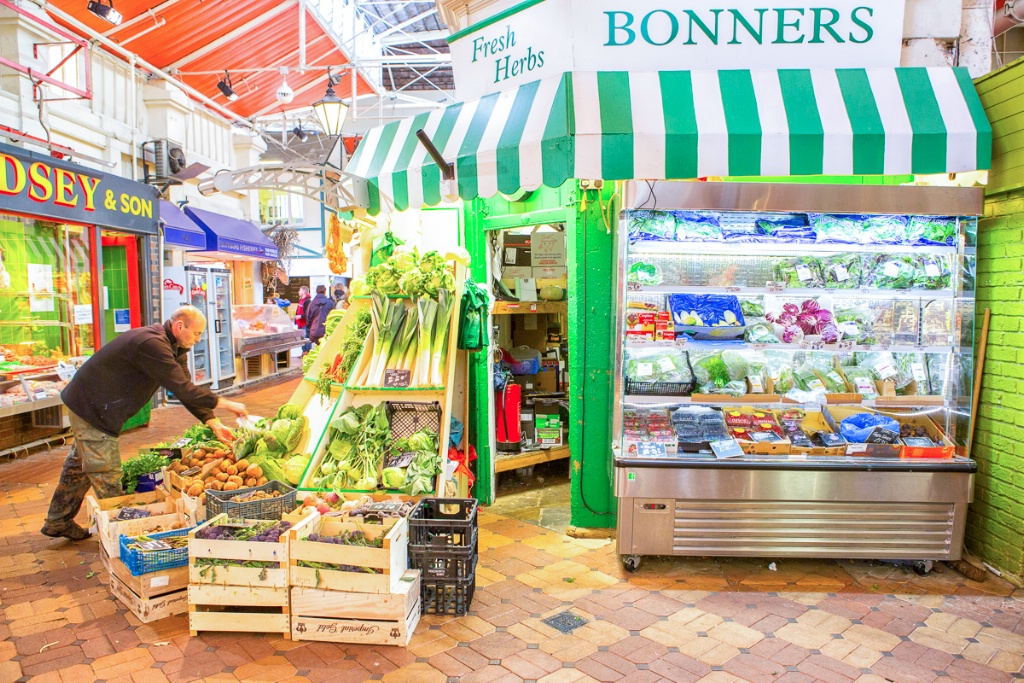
point(541, 38)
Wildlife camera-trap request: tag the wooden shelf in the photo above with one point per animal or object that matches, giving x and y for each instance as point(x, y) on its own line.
point(525, 307)
point(527, 458)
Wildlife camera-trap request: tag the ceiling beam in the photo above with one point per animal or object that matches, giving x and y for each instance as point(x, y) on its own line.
point(415, 37)
point(407, 23)
point(232, 35)
point(146, 14)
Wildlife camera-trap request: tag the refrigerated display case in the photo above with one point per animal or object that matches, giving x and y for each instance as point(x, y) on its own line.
point(263, 328)
point(212, 358)
point(758, 325)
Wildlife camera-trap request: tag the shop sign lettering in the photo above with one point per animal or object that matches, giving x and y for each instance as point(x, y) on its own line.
point(43, 186)
point(535, 40)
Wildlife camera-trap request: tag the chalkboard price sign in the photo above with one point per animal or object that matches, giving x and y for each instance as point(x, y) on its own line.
point(132, 513)
point(397, 379)
point(647, 449)
point(401, 460)
point(883, 435)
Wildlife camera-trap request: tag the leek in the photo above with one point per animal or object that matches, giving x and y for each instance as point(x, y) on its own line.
point(427, 310)
point(405, 340)
point(439, 344)
point(393, 315)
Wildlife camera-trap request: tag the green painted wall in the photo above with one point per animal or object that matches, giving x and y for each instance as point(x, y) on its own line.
point(591, 269)
point(996, 517)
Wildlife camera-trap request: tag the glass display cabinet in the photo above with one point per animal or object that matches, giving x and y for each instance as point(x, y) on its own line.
point(794, 370)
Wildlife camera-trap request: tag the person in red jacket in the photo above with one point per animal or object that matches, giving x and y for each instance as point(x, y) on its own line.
point(301, 308)
point(110, 388)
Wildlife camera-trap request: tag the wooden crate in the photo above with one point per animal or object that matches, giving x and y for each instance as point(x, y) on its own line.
point(238, 609)
point(392, 558)
point(174, 482)
point(239, 599)
point(148, 609)
point(166, 516)
point(363, 618)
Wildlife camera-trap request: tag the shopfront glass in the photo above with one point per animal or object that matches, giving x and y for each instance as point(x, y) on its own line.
point(45, 291)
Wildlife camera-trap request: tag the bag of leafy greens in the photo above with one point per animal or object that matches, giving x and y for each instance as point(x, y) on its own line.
point(800, 272)
point(692, 226)
point(657, 365)
point(932, 230)
point(863, 381)
point(652, 226)
point(842, 271)
point(891, 271)
point(932, 272)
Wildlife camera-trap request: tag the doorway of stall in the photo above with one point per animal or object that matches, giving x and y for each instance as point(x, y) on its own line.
point(530, 368)
point(121, 291)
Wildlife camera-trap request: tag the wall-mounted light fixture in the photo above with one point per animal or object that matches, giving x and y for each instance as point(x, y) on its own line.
point(224, 85)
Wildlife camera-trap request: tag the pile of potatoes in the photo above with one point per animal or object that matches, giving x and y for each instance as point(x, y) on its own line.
point(225, 475)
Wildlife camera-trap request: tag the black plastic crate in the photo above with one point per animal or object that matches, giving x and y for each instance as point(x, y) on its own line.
point(432, 523)
point(446, 596)
point(445, 562)
point(269, 508)
point(636, 388)
point(406, 419)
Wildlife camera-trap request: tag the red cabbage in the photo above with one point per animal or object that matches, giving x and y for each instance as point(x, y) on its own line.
point(791, 309)
point(792, 335)
point(830, 334)
point(807, 322)
point(810, 306)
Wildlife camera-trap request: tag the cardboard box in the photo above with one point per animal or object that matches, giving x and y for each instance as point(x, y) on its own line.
point(516, 272)
point(944, 450)
point(526, 289)
point(548, 245)
point(834, 415)
point(548, 422)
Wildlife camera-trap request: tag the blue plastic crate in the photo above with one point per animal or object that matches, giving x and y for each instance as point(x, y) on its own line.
point(139, 562)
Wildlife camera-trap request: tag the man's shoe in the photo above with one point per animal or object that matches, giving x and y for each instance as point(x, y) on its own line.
point(72, 532)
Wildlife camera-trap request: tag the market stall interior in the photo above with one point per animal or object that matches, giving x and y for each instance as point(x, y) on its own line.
point(530, 375)
point(793, 364)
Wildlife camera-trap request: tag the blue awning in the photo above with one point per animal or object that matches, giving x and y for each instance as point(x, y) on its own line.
point(233, 236)
point(179, 229)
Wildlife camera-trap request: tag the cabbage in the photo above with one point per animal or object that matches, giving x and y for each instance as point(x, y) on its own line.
point(295, 468)
point(359, 287)
point(393, 477)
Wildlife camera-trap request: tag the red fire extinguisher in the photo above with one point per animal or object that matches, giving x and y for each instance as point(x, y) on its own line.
point(507, 408)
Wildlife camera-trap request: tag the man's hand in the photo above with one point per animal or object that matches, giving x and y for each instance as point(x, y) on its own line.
point(233, 406)
point(221, 431)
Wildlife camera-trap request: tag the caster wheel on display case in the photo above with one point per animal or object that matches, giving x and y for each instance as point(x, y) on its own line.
point(923, 567)
point(631, 563)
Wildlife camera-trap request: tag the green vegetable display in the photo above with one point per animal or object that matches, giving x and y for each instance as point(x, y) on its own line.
point(711, 369)
point(358, 439)
point(310, 358)
point(145, 463)
point(352, 343)
point(842, 271)
point(657, 365)
point(891, 271)
point(800, 272)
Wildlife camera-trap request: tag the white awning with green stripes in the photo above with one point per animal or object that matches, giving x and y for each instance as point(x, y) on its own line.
point(679, 125)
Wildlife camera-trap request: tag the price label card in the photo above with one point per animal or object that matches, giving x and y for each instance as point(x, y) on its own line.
point(647, 449)
point(65, 371)
point(644, 369)
point(846, 345)
point(766, 437)
point(772, 286)
point(237, 523)
point(917, 369)
point(634, 287)
point(401, 460)
point(759, 347)
point(841, 273)
point(931, 270)
point(132, 513)
point(883, 435)
point(152, 546)
point(733, 289)
point(667, 364)
point(397, 379)
point(191, 472)
point(726, 448)
point(856, 448)
point(803, 273)
point(892, 269)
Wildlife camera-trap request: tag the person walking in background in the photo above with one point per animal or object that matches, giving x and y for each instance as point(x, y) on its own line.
point(316, 315)
point(300, 310)
point(111, 387)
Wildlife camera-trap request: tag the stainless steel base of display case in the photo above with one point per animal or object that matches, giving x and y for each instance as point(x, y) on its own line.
point(900, 511)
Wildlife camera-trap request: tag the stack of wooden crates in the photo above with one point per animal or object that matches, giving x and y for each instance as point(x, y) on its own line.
point(345, 603)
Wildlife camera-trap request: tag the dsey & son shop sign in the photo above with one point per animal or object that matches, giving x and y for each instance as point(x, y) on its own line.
point(541, 38)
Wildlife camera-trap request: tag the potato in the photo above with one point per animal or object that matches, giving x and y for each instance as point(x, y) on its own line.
point(261, 481)
point(218, 485)
point(195, 490)
point(199, 453)
point(221, 476)
point(230, 486)
point(231, 469)
point(235, 479)
point(221, 453)
point(242, 464)
point(250, 482)
point(208, 484)
point(254, 471)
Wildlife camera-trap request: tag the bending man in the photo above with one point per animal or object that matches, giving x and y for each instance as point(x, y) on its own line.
point(111, 387)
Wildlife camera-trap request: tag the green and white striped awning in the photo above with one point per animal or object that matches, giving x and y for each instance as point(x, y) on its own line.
point(679, 125)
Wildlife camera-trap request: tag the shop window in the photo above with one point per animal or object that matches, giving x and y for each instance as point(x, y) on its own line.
point(45, 291)
point(281, 208)
point(71, 71)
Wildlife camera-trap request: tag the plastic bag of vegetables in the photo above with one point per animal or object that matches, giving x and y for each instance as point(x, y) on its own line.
point(761, 333)
point(793, 229)
point(842, 271)
point(657, 365)
point(736, 363)
point(800, 272)
point(733, 388)
point(856, 322)
point(891, 271)
point(652, 226)
point(863, 381)
point(932, 273)
point(692, 226)
point(780, 368)
point(932, 230)
point(711, 369)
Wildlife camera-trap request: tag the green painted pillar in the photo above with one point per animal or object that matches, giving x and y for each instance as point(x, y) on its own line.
point(592, 310)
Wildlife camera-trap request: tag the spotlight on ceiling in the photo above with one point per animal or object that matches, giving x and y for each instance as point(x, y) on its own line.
point(300, 134)
point(224, 85)
point(105, 11)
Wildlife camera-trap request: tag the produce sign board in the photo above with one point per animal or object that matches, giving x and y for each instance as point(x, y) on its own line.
point(350, 562)
point(351, 617)
point(397, 379)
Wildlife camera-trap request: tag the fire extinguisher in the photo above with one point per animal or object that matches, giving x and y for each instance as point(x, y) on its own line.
point(507, 400)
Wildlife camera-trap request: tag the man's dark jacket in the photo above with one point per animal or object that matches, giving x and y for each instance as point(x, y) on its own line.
point(124, 374)
point(318, 310)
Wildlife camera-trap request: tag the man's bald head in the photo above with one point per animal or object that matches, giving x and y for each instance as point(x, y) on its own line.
point(187, 325)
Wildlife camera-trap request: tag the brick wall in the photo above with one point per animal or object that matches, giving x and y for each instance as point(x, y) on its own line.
point(997, 514)
point(17, 430)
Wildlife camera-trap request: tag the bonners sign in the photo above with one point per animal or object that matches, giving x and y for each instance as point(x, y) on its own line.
point(43, 186)
point(537, 39)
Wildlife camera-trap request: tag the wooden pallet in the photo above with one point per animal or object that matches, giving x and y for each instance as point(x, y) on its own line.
point(363, 618)
point(392, 559)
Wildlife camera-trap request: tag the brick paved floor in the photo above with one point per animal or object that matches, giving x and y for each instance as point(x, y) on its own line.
point(675, 620)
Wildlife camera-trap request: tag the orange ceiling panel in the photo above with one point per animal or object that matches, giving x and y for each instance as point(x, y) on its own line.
point(268, 36)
